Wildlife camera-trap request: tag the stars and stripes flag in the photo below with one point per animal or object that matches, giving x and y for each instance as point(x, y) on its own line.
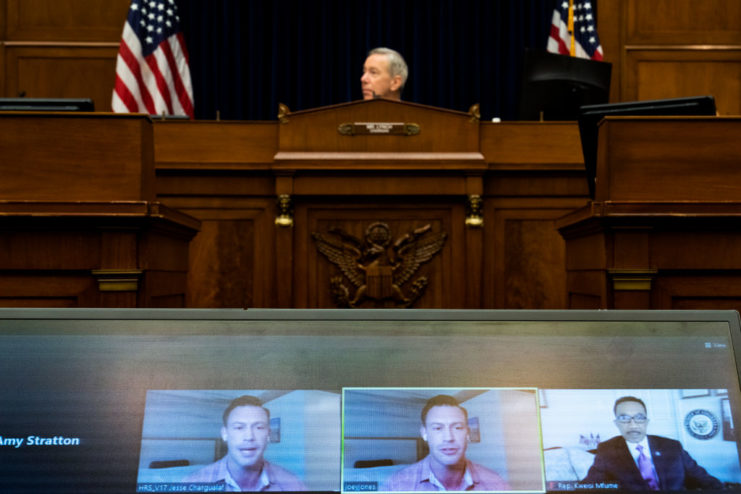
point(586, 41)
point(152, 73)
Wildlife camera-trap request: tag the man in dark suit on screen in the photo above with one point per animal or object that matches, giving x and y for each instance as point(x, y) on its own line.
point(637, 461)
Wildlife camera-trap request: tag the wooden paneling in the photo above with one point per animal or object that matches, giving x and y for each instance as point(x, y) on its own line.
point(3, 20)
point(47, 289)
point(48, 250)
point(673, 48)
point(215, 145)
point(223, 262)
point(520, 145)
point(62, 72)
point(655, 74)
point(93, 255)
point(656, 261)
point(2, 69)
point(547, 182)
point(525, 256)
point(683, 22)
point(232, 255)
point(60, 48)
point(79, 227)
point(610, 29)
point(708, 290)
point(65, 20)
point(691, 159)
point(663, 232)
point(586, 290)
point(363, 184)
point(76, 157)
point(702, 250)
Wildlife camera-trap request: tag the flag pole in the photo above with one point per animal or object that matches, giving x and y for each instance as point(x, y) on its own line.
point(572, 49)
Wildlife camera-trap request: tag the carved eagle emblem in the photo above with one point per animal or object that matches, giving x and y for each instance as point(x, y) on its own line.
point(377, 266)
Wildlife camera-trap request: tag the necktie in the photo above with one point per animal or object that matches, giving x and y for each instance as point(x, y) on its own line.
point(647, 470)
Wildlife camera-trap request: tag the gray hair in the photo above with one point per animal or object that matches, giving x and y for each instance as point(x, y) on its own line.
point(397, 65)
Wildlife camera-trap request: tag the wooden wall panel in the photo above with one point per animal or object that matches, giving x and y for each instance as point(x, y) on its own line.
point(83, 152)
point(211, 144)
point(704, 290)
point(164, 289)
point(586, 290)
point(62, 72)
point(525, 264)
point(65, 20)
point(50, 289)
point(683, 22)
point(3, 19)
point(2, 69)
point(230, 258)
point(522, 145)
point(671, 158)
point(48, 250)
point(60, 48)
point(673, 48)
point(93, 259)
point(217, 279)
point(610, 29)
point(655, 74)
point(3, 37)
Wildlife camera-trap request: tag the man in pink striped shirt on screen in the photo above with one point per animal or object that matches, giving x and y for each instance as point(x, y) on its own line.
point(445, 430)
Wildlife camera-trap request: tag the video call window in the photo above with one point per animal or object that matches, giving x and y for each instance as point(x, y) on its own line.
point(594, 439)
point(211, 440)
point(426, 439)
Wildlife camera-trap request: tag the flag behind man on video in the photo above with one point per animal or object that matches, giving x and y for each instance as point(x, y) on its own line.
point(586, 42)
point(152, 73)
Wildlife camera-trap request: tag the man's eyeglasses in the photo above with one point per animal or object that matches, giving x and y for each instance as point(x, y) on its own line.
point(638, 419)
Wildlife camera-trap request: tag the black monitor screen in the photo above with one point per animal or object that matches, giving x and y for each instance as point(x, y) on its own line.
point(131, 401)
point(591, 115)
point(47, 104)
point(554, 86)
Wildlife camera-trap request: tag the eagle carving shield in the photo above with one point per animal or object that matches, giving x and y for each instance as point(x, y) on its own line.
point(377, 266)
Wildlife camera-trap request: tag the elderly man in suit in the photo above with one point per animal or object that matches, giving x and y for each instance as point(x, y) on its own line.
point(637, 461)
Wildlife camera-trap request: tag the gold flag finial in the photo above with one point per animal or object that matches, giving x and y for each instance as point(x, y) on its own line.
point(572, 49)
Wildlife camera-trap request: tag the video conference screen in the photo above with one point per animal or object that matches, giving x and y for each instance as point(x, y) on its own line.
point(368, 401)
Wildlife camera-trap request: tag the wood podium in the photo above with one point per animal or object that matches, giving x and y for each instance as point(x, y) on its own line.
point(270, 195)
point(393, 168)
point(80, 223)
point(663, 229)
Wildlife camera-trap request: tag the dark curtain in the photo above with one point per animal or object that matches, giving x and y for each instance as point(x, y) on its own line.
point(246, 56)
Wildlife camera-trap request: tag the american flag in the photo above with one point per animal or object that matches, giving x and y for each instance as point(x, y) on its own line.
point(152, 74)
point(586, 41)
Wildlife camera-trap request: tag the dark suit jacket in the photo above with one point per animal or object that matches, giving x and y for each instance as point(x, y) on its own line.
point(675, 467)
